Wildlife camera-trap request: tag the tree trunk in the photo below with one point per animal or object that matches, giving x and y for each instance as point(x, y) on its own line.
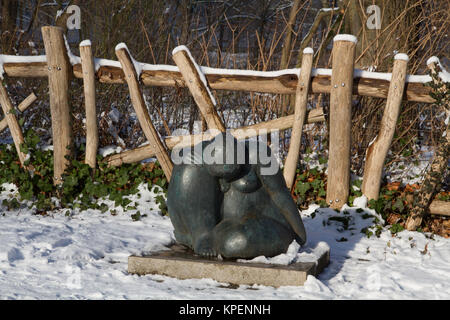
point(375, 44)
point(9, 16)
point(432, 183)
point(287, 45)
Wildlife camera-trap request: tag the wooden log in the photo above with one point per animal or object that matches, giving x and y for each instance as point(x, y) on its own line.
point(26, 69)
point(378, 150)
point(301, 103)
point(22, 107)
point(340, 120)
point(87, 61)
point(145, 152)
point(277, 84)
point(441, 208)
point(59, 71)
point(141, 110)
point(197, 84)
point(13, 124)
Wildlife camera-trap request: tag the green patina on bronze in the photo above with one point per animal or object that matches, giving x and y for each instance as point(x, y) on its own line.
point(232, 210)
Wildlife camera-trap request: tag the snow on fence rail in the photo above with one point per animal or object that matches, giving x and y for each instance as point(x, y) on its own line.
point(59, 64)
point(371, 84)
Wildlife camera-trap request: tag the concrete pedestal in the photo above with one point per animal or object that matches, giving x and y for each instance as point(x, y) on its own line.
point(180, 262)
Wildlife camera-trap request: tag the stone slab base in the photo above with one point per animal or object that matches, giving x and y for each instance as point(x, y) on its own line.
point(180, 262)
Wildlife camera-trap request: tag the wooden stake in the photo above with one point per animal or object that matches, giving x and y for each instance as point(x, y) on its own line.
point(378, 150)
point(197, 84)
point(340, 120)
point(59, 73)
point(87, 61)
point(145, 152)
point(13, 124)
point(137, 99)
point(301, 103)
point(22, 107)
point(441, 208)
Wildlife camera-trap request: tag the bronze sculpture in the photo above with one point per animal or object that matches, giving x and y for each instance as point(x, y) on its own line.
point(231, 208)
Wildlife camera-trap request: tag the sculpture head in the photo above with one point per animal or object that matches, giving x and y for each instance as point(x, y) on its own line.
point(225, 156)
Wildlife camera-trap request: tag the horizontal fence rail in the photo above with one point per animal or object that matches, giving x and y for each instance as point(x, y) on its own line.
point(370, 84)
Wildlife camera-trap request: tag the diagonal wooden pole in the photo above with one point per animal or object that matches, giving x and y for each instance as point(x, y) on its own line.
point(378, 150)
point(301, 103)
point(137, 99)
point(13, 124)
point(22, 107)
point(198, 86)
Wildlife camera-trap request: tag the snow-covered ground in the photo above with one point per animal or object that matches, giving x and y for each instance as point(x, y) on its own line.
point(83, 255)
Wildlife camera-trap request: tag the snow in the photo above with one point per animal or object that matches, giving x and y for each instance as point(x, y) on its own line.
point(106, 63)
point(74, 60)
point(249, 73)
point(372, 142)
point(178, 49)
point(360, 202)
point(121, 46)
point(345, 37)
point(443, 73)
point(432, 60)
point(109, 150)
point(329, 9)
point(85, 43)
point(159, 67)
point(401, 56)
point(372, 75)
point(83, 255)
point(418, 79)
point(294, 254)
point(308, 50)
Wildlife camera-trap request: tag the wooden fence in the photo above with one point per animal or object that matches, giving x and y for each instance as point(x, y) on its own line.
point(343, 81)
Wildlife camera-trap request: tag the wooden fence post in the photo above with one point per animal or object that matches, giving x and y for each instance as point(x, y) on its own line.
point(301, 103)
point(197, 84)
point(340, 120)
point(137, 99)
point(378, 150)
point(87, 62)
point(22, 107)
point(59, 73)
point(16, 131)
